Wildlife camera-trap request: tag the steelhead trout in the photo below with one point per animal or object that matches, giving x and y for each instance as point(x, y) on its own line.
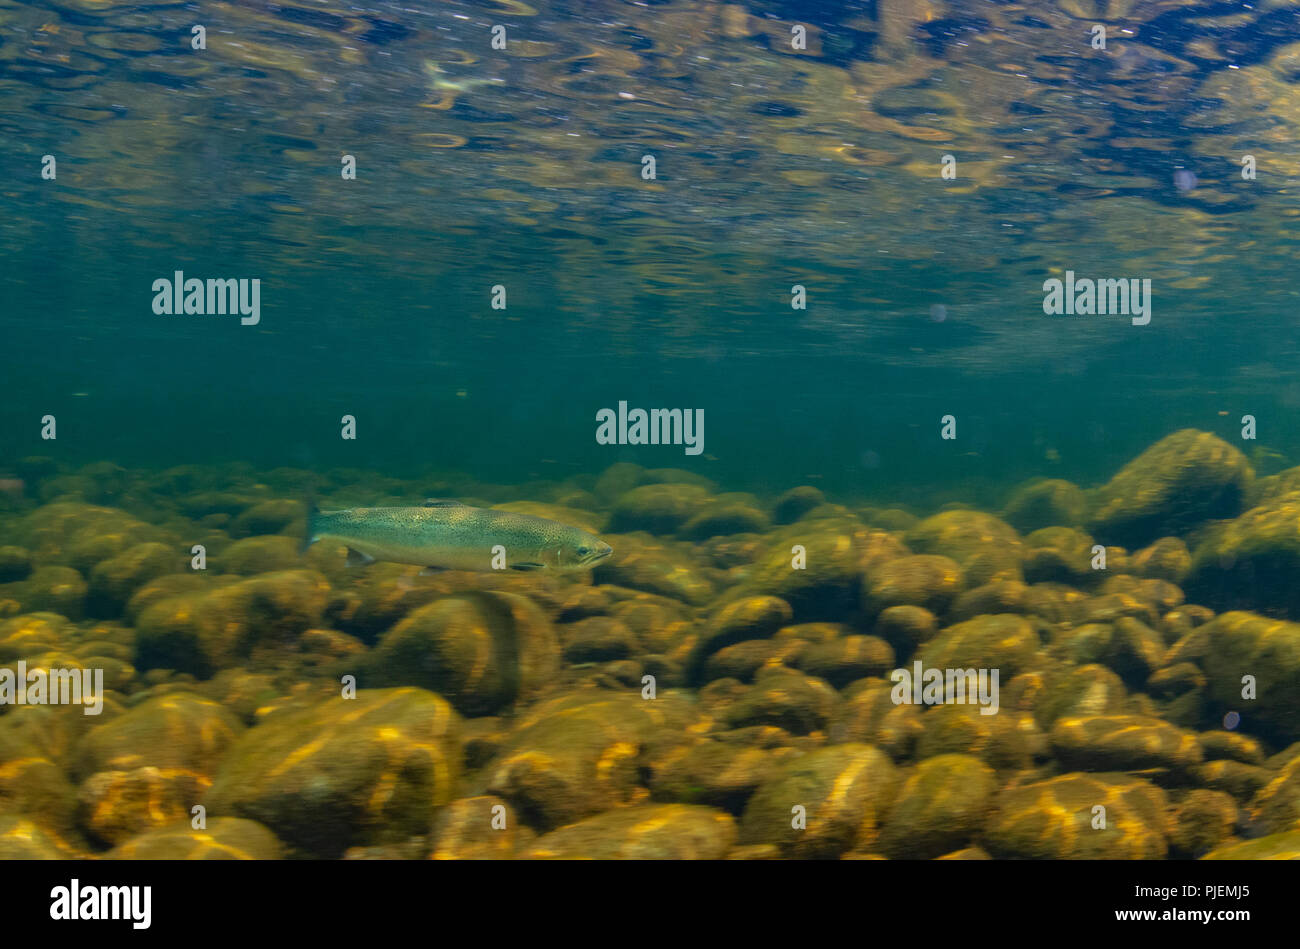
point(449, 535)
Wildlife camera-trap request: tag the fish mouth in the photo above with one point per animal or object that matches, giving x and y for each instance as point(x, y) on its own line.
point(601, 551)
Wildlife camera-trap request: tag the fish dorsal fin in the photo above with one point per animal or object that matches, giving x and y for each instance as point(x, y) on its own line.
point(357, 559)
point(441, 502)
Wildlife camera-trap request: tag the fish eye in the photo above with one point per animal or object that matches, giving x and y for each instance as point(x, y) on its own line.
point(583, 551)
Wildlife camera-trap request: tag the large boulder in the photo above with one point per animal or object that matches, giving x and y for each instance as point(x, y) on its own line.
point(1251, 562)
point(1179, 482)
point(344, 772)
point(1246, 644)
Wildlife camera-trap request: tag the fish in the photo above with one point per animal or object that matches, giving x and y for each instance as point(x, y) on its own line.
point(445, 534)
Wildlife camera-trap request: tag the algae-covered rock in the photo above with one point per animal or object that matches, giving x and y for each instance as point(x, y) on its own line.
point(1276, 807)
point(1175, 680)
point(906, 627)
point(1057, 819)
point(119, 805)
point(924, 580)
point(56, 590)
point(868, 715)
point(845, 659)
point(478, 828)
point(261, 554)
point(1251, 562)
point(618, 479)
point(482, 651)
point(344, 772)
point(179, 731)
point(32, 783)
point(657, 508)
point(580, 754)
point(786, 698)
point(31, 633)
point(795, 503)
point(202, 632)
point(1179, 482)
point(170, 585)
point(817, 565)
point(1077, 691)
point(996, 596)
point(113, 581)
point(1058, 555)
point(1123, 743)
point(645, 832)
point(1202, 820)
point(1231, 745)
point(715, 773)
point(1005, 642)
point(267, 517)
point(941, 806)
point(1246, 644)
point(824, 803)
point(224, 838)
point(751, 617)
point(15, 563)
point(1049, 502)
point(23, 839)
point(987, 547)
point(744, 660)
point(1283, 846)
point(726, 514)
point(655, 566)
point(1007, 740)
point(598, 639)
point(1166, 559)
point(1237, 778)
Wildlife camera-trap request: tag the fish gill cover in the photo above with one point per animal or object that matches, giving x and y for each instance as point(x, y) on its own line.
point(927, 364)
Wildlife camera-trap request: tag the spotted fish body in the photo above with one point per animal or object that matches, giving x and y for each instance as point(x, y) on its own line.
point(449, 535)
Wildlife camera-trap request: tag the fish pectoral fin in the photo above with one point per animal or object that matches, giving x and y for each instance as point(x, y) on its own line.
point(357, 559)
point(441, 502)
point(431, 571)
point(526, 566)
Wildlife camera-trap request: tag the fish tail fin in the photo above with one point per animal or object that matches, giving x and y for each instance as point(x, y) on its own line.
point(313, 512)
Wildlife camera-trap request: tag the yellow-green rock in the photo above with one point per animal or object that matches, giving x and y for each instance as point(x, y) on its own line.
point(478, 828)
point(1179, 482)
point(225, 838)
point(1283, 846)
point(344, 772)
point(645, 832)
point(1123, 743)
point(579, 754)
point(178, 731)
point(1246, 644)
point(1058, 819)
point(1005, 642)
point(482, 651)
point(1202, 820)
point(987, 547)
point(924, 580)
point(824, 803)
point(943, 804)
point(1048, 502)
